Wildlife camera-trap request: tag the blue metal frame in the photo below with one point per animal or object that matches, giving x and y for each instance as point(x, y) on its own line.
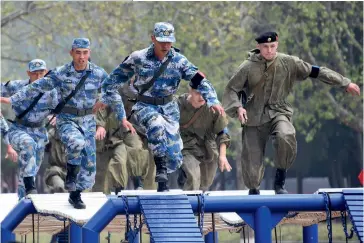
point(310, 234)
point(209, 238)
point(263, 212)
point(75, 233)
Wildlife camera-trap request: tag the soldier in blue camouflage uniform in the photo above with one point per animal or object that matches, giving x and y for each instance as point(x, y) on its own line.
point(27, 134)
point(155, 110)
point(75, 123)
point(10, 152)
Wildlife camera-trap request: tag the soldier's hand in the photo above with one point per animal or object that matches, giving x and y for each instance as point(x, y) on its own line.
point(128, 125)
point(53, 120)
point(243, 118)
point(100, 133)
point(353, 89)
point(11, 154)
point(5, 100)
point(218, 108)
point(98, 106)
point(224, 164)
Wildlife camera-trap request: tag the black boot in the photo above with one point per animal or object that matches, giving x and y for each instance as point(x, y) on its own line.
point(72, 171)
point(138, 184)
point(161, 174)
point(118, 189)
point(29, 185)
point(280, 181)
point(75, 200)
point(254, 192)
point(162, 187)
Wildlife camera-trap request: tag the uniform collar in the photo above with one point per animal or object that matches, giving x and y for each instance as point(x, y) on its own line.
point(71, 68)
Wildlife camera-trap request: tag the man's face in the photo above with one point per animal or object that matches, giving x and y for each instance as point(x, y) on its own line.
point(36, 75)
point(161, 48)
point(80, 56)
point(195, 98)
point(268, 50)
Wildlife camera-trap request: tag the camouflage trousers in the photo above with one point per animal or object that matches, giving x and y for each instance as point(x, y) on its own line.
point(161, 125)
point(194, 174)
point(78, 136)
point(122, 160)
point(254, 139)
point(29, 143)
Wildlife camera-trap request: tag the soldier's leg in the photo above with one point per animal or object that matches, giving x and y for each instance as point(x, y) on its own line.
point(254, 140)
point(149, 181)
point(163, 140)
point(74, 140)
point(285, 147)
point(137, 160)
point(117, 172)
point(26, 148)
point(54, 178)
point(208, 172)
point(191, 168)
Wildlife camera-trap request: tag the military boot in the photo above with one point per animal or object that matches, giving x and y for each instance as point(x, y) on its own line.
point(75, 200)
point(162, 187)
point(161, 165)
point(71, 177)
point(138, 184)
point(280, 181)
point(29, 185)
point(254, 192)
point(118, 189)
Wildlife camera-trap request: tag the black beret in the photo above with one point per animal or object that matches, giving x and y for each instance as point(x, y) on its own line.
point(267, 37)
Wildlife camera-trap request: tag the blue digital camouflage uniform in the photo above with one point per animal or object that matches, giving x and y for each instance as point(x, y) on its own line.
point(28, 139)
point(77, 132)
point(4, 130)
point(161, 122)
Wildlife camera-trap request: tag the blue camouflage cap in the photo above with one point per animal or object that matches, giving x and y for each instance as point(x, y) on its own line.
point(37, 64)
point(164, 32)
point(81, 43)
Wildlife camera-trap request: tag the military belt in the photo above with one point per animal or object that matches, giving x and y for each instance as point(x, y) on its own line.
point(29, 124)
point(155, 100)
point(76, 112)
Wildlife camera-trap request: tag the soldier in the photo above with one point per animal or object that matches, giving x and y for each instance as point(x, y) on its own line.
point(128, 155)
point(205, 139)
point(55, 174)
point(158, 70)
point(268, 77)
point(10, 152)
point(27, 133)
point(77, 84)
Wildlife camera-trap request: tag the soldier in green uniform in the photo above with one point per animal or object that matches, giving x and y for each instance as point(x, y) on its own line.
point(126, 154)
point(268, 77)
point(205, 139)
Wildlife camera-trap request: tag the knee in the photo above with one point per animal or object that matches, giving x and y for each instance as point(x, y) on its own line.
point(77, 144)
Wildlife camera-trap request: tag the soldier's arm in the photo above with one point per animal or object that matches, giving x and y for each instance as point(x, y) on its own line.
point(7, 89)
point(306, 70)
point(4, 130)
point(110, 86)
point(230, 98)
point(221, 131)
point(199, 82)
point(32, 90)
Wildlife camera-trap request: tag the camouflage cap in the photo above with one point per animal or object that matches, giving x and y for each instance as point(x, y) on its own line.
point(81, 43)
point(164, 32)
point(37, 64)
point(267, 37)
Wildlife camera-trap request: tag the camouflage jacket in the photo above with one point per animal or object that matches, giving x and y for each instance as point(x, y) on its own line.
point(270, 100)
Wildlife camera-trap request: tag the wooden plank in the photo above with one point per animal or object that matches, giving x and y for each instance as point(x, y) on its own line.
point(176, 234)
point(171, 221)
point(183, 230)
point(166, 206)
point(163, 225)
point(167, 211)
point(159, 202)
point(353, 197)
point(163, 216)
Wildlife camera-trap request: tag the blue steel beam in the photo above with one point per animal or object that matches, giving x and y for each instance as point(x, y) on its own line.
point(213, 204)
point(14, 218)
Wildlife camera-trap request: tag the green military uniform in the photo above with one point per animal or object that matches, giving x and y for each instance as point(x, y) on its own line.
point(55, 175)
point(126, 154)
point(268, 112)
point(201, 140)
